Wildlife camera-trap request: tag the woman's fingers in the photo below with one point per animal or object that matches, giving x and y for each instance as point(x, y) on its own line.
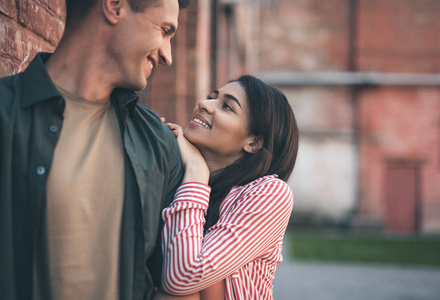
point(177, 130)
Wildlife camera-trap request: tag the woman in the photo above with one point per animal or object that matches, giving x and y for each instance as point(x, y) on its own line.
point(246, 141)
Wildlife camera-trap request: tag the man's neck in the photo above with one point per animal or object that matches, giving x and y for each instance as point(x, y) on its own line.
point(78, 67)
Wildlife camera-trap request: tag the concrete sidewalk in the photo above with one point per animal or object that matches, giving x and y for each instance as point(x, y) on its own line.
point(316, 281)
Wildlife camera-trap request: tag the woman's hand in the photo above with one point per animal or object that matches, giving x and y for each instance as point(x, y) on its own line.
point(161, 296)
point(214, 292)
point(195, 166)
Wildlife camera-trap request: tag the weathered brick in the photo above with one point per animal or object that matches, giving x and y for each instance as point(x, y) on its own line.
point(40, 20)
point(20, 45)
point(9, 8)
point(10, 40)
point(399, 123)
point(399, 36)
point(58, 7)
point(308, 35)
point(7, 66)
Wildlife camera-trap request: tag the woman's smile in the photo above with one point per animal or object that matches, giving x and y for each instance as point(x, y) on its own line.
point(199, 120)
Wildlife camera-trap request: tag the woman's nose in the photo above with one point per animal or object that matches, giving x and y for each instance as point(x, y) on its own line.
point(207, 105)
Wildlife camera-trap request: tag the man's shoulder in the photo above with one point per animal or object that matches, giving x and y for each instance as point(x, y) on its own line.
point(147, 113)
point(147, 117)
point(10, 91)
point(151, 122)
point(10, 83)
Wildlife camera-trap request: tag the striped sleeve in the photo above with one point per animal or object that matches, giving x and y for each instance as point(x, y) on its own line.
point(255, 222)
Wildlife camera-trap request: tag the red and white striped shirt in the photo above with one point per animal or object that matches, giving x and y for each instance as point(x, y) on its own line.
point(244, 246)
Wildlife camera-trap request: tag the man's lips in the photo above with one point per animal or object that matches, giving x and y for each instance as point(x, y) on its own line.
point(152, 62)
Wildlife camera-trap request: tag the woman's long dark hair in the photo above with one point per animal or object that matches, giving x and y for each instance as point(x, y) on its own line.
point(272, 118)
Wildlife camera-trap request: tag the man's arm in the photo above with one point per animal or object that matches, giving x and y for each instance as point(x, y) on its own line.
point(176, 173)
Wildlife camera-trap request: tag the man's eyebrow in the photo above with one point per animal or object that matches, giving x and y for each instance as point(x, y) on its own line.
point(228, 96)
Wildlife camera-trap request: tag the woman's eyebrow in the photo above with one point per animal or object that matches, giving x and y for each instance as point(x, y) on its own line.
point(232, 98)
point(228, 96)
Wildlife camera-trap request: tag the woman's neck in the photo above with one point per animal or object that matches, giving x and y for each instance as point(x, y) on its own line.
point(216, 162)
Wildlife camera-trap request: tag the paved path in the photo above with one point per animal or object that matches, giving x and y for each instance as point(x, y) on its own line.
point(314, 281)
point(332, 281)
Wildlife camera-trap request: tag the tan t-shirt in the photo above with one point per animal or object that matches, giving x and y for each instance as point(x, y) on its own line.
point(85, 191)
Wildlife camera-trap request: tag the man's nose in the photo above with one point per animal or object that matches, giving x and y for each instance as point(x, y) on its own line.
point(165, 56)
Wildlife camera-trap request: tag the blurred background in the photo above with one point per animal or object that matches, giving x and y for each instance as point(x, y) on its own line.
point(362, 77)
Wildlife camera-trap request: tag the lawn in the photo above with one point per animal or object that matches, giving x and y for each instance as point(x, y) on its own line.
point(402, 250)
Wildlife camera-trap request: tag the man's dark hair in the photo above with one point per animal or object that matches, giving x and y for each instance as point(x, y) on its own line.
point(77, 10)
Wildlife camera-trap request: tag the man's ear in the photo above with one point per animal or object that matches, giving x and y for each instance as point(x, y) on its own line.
point(113, 9)
point(254, 144)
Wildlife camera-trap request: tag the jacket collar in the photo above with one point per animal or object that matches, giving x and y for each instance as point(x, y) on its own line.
point(38, 86)
point(125, 98)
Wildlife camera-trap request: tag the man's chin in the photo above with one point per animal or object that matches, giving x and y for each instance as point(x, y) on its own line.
point(138, 87)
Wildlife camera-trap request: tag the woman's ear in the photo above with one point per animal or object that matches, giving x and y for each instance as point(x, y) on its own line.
point(112, 10)
point(255, 143)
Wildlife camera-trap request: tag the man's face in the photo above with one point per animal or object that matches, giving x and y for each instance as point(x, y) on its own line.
point(143, 41)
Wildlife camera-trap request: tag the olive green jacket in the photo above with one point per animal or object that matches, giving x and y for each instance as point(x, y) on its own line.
point(31, 118)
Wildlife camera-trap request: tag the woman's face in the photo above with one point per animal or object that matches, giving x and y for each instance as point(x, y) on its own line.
point(219, 126)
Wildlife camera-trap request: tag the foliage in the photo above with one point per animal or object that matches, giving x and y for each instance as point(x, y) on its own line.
point(403, 250)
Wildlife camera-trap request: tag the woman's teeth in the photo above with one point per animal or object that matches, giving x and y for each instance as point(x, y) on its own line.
point(198, 121)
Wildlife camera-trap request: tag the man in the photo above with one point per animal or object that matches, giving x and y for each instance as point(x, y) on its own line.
point(85, 171)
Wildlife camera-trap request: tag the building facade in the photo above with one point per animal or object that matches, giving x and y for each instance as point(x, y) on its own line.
point(361, 75)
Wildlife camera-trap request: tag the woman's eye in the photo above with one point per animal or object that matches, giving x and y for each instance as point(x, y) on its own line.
point(209, 97)
point(227, 106)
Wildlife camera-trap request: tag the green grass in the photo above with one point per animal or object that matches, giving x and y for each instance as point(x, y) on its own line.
point(365, 249)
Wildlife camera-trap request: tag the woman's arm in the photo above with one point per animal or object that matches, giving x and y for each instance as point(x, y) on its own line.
point(256, 221)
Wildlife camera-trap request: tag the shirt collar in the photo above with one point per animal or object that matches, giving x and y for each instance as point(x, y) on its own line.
point(125, 98)
point(38, 86)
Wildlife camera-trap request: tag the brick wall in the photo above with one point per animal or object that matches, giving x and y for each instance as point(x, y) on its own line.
point(399, 124)
point(28, 27)
point(389, 124)
point(305, 36)
point(399, 35)
point(171, 90)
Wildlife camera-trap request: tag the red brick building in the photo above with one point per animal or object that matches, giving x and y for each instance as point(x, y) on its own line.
point(361, 75)
point(363, 79)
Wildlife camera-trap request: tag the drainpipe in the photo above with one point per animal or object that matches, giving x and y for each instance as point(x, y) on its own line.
point(354, 92)
point(213, 50)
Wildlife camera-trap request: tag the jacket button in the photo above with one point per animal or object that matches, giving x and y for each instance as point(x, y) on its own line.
point(53, 128)
point(41, 170)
